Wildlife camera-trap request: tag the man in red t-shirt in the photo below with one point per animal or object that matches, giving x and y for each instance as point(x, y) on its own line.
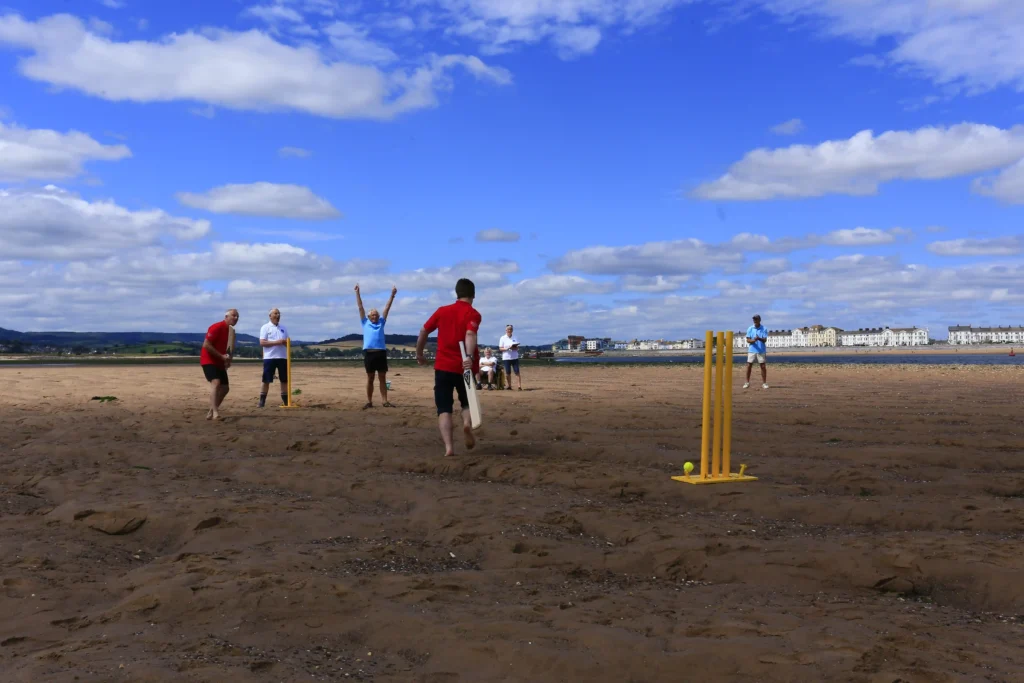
point(454, 323)
point(216, 359)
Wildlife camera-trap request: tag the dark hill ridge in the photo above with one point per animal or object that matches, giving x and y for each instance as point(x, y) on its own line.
point(392, 339)
point(108, 339)
point(103, 339)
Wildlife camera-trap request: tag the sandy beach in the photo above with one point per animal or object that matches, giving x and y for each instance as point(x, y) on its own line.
point(883, 541)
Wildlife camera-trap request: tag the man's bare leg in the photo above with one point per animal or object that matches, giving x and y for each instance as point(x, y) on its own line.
point(217, 394)
point(750, 366)
point(382, 380)
point(764, 373)
point(369, 389)
point(444, 423)
point(467, 429)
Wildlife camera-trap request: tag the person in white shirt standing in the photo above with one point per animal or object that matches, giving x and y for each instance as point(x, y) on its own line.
point(274, 339)
point(509, 347)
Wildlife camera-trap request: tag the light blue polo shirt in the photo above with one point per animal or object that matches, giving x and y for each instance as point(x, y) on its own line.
point(760, 336)
point(373, 335)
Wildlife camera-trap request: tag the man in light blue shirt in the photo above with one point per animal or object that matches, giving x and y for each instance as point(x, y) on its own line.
point(757, 338)
point(375, 351)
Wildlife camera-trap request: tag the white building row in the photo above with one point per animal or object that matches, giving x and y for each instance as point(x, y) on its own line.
point(821, 336)
point(658, 345)
point(965, 334)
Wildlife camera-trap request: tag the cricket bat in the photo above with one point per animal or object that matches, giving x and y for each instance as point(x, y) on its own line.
point(231, 340)
point(474, 401)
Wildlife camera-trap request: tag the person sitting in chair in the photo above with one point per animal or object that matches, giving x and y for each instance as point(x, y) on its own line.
point(488, 368)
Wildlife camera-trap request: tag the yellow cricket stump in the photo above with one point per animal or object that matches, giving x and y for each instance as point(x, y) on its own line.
point(288, 346)
point(721, 437)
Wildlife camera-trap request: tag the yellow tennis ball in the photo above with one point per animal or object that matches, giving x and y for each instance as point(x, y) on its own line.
point(688, 467)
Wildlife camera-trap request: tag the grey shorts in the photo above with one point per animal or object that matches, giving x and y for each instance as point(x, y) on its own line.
point(755, 358)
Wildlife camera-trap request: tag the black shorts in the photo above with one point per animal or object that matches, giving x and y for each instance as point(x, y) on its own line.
point(444, 382)
point(213, 372)
point(270, 365)
point(375, 361)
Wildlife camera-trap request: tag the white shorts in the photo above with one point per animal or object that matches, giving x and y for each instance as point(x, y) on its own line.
point(755, 358)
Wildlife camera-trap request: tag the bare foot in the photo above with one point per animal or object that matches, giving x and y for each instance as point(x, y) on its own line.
point(467, 432)
point(215, 416)
point(209, 414)
point(449, 454)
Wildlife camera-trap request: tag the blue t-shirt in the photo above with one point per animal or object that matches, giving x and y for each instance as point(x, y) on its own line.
point(760, 336)
point(373, 335)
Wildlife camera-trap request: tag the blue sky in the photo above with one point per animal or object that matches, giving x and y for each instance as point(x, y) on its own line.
point(635, 169)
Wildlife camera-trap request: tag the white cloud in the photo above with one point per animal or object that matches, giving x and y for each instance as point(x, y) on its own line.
point(242, 71)
point(354, 44)
point(862, 237)
point(858, 165)
point(1007, 187)
point(574, 27)
point(274, 13)
point(998, 246)
point(262, 199)
point(50, 155)
point(868, 60)
point(576, 41)
point(557, 286)
point(658, 284)
point(52, 224)
point(746, 241)
point(791, 127)
point(399, 23)
point(204, 112)
point(769, 266)
point(497, 235)
point(294, 152)
point(678, 257)
point(113, 4)
point(972, 44)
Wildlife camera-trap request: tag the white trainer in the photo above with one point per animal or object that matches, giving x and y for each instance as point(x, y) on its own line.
point(764, 386)
point(746, 385)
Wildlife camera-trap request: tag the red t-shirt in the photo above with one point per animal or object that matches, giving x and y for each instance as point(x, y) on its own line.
point(452, 322)
point(218, 336)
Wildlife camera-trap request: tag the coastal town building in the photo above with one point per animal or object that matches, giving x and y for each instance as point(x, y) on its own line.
point(966, 334)
point(885, 336)
point(812, 336)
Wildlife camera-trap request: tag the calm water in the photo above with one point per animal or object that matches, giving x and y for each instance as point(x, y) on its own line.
point(828, 359)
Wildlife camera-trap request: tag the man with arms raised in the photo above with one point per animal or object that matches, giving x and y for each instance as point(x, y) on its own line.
point(457, 322)
point(216, 360)
point(375, 351)
point(274, 340)
point(509, 347)
point(757, 338)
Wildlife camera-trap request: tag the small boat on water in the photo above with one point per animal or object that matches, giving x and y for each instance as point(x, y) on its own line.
point(1012, 353)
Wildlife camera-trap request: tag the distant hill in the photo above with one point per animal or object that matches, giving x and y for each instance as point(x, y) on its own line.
point(102, 340)
point(107, 339)
point(410, 340)
point(392, 339)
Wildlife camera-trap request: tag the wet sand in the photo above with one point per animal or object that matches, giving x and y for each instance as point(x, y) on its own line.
point(883, 541)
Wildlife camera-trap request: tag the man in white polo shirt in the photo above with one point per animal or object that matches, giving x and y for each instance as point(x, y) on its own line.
point(274, 339)
point(509, 347)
